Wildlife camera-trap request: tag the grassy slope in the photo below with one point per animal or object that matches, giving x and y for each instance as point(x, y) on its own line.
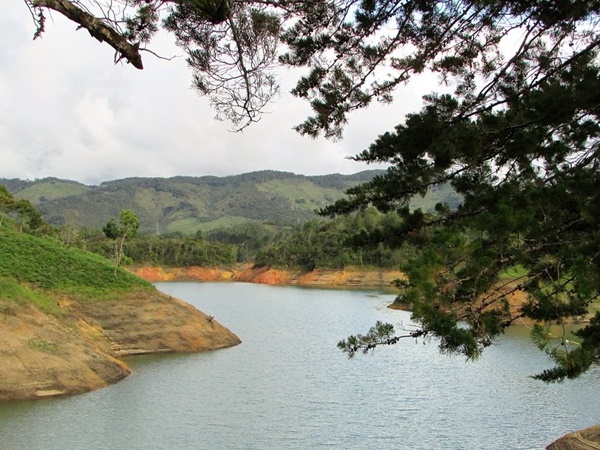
point(66, 316)
point(46, 264)
point(36, 271)
point(42, 355)
point(190, 225)
point(13, 293)
point(303, 194)
point(51, 189)
point(187, 204)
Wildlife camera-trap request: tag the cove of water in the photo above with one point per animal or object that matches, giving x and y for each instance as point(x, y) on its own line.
point(287, 386)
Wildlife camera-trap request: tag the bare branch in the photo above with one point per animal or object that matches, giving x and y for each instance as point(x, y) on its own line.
point(97, 28)
point(171, 58)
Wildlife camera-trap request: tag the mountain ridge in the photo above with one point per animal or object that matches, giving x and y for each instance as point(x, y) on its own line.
point(186, 204)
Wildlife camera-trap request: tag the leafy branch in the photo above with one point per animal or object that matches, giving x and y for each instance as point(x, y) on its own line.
point(380, 334)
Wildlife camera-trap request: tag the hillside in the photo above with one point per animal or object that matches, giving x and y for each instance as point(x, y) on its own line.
point(68, 317)
point(187, 204)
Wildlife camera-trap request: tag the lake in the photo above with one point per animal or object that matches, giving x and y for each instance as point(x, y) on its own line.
point(287, 386)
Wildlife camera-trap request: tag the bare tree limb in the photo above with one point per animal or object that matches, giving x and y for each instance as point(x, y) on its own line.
point(97, 28)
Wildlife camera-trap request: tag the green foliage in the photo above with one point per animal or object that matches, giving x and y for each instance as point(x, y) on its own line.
point(129, 223)
point(6, 198)
point(185, 204)
point(27, 215)
point(518, 142)
point(336, 244)
point(7, 203)
point(44, 263)
point(111, 229)
point(380, 334)
point(248, 238)
point(512, 273)
point(572, 356)
point(179, 251)
point(126, 228)
point(214, 11)
point(46, 189)
point(463, 41)
point(12, 292)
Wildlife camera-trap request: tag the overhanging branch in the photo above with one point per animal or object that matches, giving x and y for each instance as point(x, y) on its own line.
point(96, 28)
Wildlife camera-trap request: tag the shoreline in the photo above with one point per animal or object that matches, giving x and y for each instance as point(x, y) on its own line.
point(83, 346)
point(247, 273)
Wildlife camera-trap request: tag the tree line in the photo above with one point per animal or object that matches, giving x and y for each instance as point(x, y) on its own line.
point(318, 243)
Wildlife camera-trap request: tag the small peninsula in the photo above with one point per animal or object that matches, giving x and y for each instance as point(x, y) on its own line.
point(68, 318)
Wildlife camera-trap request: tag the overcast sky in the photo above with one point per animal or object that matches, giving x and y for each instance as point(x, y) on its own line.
point(67, 111)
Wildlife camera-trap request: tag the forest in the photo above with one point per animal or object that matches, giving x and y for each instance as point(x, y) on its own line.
point(318, 243)
point(186, 204)
point(246, 227)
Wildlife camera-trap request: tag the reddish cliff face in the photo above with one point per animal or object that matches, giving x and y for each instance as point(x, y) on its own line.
point(268, 275)
point(194, 273)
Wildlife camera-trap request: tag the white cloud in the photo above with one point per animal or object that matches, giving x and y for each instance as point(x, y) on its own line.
point(68, 112)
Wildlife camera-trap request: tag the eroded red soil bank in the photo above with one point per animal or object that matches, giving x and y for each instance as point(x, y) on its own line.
point(268, 275)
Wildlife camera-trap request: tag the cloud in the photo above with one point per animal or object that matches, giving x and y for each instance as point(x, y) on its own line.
point(67, 111)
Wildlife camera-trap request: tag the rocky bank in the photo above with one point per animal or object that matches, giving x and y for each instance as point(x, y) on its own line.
point(587, 439)
point(268, 275)
point(80, 348)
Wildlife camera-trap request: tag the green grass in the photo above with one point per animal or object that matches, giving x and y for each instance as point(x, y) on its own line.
point(519, 271)
point(13, 293)
point(41, 263)
point(513, 272)
point(51, 190)
point(191, 225)
point(303, 194)
point(42, 345)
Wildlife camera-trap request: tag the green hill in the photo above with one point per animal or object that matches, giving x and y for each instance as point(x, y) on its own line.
point(51, 189)
point(187, 204)
point(68, 316)
point(45, 265)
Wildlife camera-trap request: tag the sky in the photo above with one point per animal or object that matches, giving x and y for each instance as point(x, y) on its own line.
point(67, 111)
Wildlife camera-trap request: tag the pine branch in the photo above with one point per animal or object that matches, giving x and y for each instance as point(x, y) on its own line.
point(380, 334)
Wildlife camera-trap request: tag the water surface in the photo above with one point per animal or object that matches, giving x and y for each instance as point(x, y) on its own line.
point(287, 386)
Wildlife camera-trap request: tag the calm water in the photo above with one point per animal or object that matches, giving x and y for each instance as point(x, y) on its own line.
point(288, 387)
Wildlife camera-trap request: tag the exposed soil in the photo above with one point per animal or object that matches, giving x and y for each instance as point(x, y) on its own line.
point(80, 349)
point(41, 357)
point(138, 325)
point(587, 439)
point(268, 275)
